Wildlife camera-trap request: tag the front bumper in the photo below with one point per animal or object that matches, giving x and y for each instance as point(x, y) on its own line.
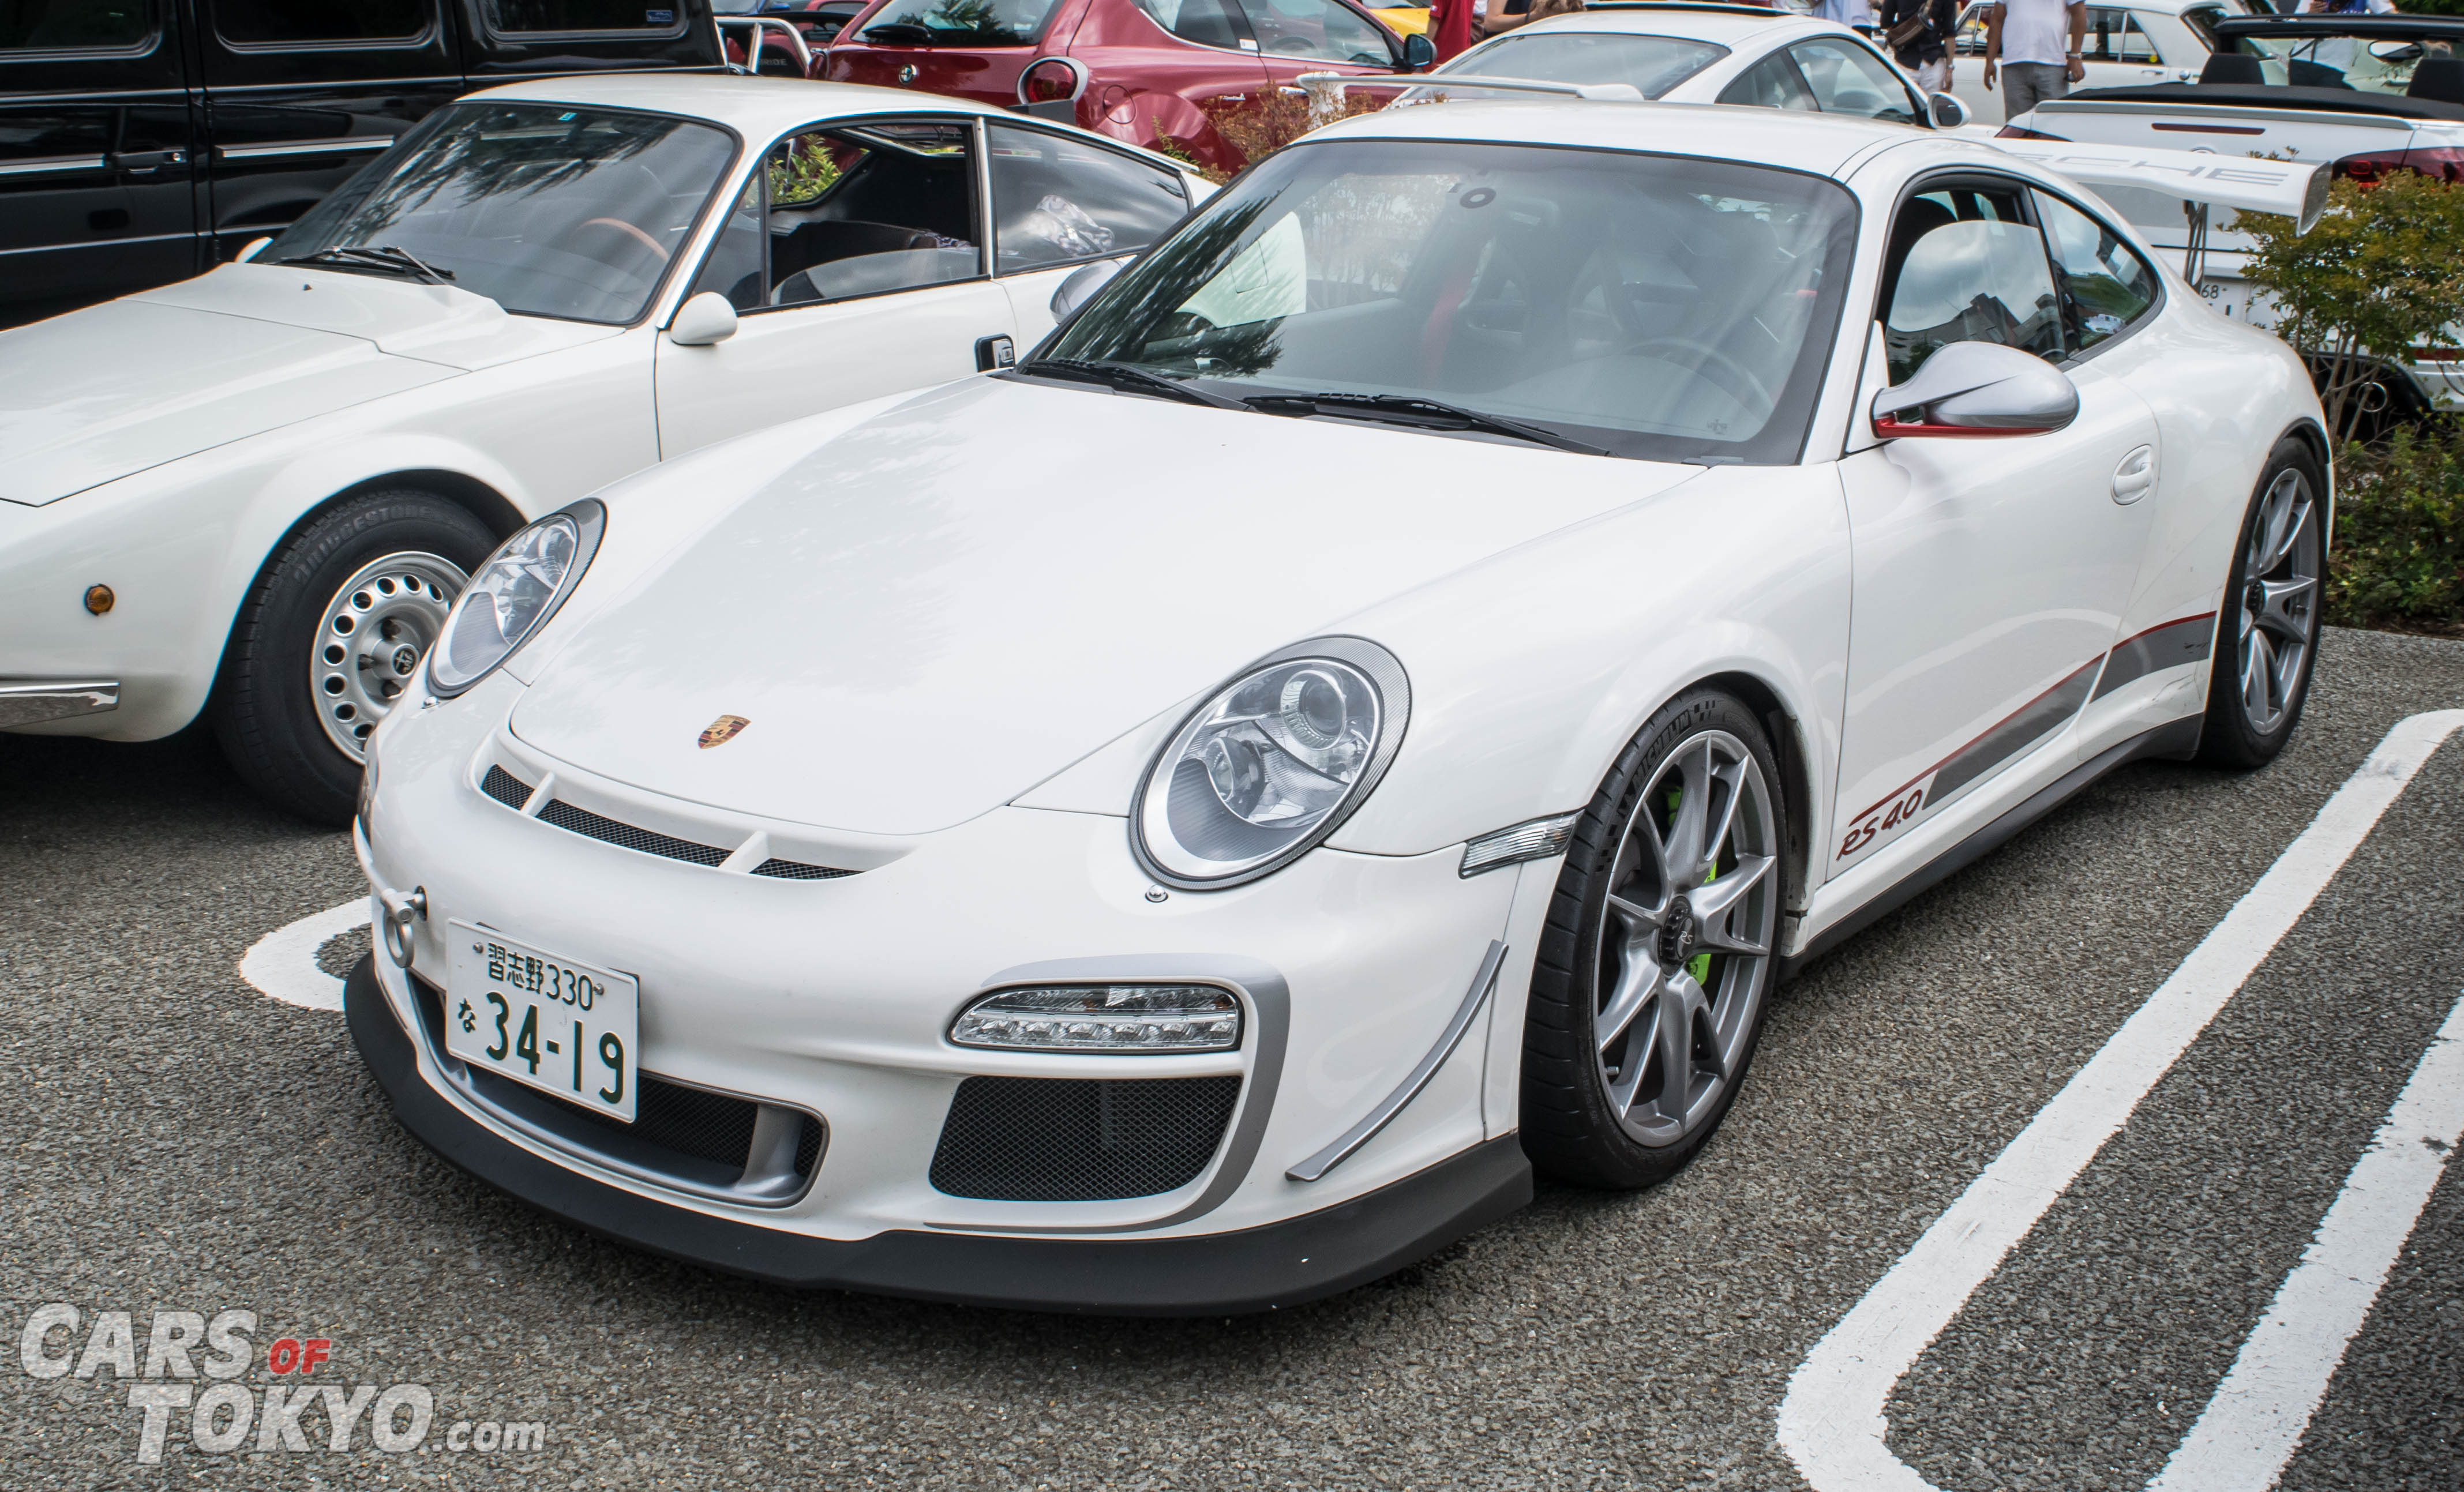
point(1261, 1269)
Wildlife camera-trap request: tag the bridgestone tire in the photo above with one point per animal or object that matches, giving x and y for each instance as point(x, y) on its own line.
point(264, 713)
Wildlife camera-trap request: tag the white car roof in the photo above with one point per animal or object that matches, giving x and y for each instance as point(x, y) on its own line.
point(1728, 27)
point(757, 108)
point(1820, 143)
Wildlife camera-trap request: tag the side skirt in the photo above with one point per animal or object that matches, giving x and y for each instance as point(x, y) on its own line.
point(2176, 740)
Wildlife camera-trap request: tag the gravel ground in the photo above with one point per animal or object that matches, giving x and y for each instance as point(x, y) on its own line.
point(175, 1141)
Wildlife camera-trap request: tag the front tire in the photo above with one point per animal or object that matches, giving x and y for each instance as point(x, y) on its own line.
point(2267, 630)
point(1647, 998)
point(334, 628)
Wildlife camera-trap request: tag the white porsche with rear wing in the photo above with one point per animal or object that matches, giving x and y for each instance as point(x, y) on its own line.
point(1364, 715)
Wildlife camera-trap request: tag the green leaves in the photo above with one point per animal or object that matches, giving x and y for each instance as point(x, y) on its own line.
point(2399, 556)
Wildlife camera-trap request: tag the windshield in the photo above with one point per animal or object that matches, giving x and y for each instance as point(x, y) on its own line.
point(2365, 64)
point(1655, 306)
point(544, 210)
point(960, 23)
point(1653, 64)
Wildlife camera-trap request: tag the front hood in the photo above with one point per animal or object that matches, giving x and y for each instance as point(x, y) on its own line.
point(100, 394)
point(434, 323)
point(953, 600)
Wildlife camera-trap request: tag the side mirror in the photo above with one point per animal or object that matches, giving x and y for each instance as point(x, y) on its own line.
point(1420, 53)
point(1949, 113)
point(1977, 388)
point(1079, 289)
point(706, 318)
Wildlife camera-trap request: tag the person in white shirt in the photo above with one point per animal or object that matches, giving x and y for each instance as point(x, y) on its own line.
point(2024, 42)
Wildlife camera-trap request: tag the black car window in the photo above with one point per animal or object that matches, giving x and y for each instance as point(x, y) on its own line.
point(2106, 285)
point(1772, 83)
point(66, 26)
point(552, 18)
point(281, 23)
point(1846, 79)
point(1966, 264)
point(2113, 36)
point(960, 23)
point(1056, 200)
point(839, 214)
point(1318, 29)
point(1209, 23)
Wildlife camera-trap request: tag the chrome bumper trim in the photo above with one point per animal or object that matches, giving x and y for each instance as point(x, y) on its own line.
point(30, 701)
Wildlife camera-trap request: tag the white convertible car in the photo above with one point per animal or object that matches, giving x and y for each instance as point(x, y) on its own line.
point(257, 493)
point(1194, 821)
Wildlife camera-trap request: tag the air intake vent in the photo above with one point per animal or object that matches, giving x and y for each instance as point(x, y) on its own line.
point(649, 841)
point(506, 788)
point(1080, 1139)
point(798, 870)
point(684, 1133)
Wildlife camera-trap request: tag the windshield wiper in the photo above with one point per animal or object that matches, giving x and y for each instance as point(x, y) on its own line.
point(1125, 374)
point(383, 256)
point(904, 33)
point(1427, 413)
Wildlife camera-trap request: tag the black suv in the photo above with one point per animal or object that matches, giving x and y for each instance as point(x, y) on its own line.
point(143, 141)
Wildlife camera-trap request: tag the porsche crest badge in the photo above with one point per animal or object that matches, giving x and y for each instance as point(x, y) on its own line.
point(721, 730)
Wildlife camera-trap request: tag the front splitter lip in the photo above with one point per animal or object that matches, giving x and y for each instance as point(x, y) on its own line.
point(1268, 1267)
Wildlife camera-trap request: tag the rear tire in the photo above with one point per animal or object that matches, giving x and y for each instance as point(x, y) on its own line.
point(1647, 997)
point(2267, 627)
point(406, 553)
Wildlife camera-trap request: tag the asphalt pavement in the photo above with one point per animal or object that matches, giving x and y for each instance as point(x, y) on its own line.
point(173, 1141)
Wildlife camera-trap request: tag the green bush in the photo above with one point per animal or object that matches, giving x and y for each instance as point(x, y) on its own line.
point(2399, 557)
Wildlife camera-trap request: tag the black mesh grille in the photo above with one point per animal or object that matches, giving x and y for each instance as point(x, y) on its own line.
point(1080, 1139)
point(506, 788)
point(798, 870)
point(684, 1132)
point(581, 820)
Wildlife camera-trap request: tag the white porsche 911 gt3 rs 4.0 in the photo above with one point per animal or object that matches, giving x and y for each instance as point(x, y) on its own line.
point(1194, 821)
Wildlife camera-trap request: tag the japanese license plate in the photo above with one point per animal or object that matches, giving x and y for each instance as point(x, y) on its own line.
point(538, 1018)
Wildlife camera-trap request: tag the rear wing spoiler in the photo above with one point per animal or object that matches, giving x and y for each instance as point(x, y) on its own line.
point(2297, 189)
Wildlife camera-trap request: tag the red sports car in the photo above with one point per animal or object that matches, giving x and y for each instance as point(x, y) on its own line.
point(1136, 70)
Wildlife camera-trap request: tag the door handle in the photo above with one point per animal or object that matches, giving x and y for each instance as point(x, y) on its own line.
point(2135, 477)
point(146, 160)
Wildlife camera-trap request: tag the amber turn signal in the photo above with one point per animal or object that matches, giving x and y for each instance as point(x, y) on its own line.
point(99, 599)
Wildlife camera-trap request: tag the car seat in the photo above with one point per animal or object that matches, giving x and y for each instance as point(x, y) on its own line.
point(2231, 69)
point(2440, 79)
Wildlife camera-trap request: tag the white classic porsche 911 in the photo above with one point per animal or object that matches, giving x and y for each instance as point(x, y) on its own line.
point(255, 494)
point(1194, 821)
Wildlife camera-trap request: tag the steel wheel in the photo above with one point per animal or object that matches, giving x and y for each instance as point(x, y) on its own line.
point(373, 633)
point(2279, 601)
point(1685, 939)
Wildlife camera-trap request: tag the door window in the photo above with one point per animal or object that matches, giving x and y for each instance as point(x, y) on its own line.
point(2105, 286)
point(2114, 37)
point(960, 23)
point(1772, 83)
point(1319, 30)
point(1209, 23)
point(111, 26)
point(295, 23)
point(563, 17)
point(839, 214)
point(1057, 200)
point(1966, 264)
point(1848, 79)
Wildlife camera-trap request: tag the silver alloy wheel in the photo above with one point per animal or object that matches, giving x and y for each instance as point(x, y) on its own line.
point(2279, 601)
point(1685, 937)
point(372, 637)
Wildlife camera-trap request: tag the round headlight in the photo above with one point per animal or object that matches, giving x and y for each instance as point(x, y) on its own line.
point(513, 595)
point(1272, 765)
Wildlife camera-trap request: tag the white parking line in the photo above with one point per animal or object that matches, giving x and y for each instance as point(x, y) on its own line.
point(1831, 1423)
point(2251, 1426)
point(283, 963)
